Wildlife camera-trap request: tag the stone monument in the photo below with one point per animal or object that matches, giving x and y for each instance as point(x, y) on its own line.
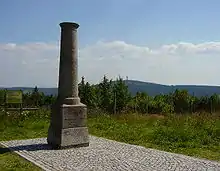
point(68, 127)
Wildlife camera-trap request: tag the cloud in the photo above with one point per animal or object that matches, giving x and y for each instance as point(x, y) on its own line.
point(182, 47)
point(37, 63)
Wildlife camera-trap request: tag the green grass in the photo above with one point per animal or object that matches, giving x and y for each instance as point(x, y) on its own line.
point(10, 161)
point(197, 135)
point(20, 127)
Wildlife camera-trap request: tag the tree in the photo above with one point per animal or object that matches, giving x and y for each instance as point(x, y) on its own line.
point(162, 104)
point(36, 97)
point(87, 94)
point(142, 102)
point(121, 95)
point(214, 103)
point(181, 101)
point(82, 93)
point(203, 104)
point(106, 94)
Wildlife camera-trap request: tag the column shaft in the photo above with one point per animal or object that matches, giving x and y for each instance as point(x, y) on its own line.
point(68, 70)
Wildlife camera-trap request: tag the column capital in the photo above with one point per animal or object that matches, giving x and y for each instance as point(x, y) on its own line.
point(69, 25)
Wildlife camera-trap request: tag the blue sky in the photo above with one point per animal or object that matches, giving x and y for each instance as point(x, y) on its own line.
point(143, 22)
point(129, 25)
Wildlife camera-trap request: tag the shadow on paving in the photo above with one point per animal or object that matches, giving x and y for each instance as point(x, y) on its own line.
point(32, 147)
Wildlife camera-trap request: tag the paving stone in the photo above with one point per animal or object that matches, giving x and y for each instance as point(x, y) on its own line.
point(106, 155)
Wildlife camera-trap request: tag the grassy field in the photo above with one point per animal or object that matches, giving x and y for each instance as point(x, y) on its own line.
point(194, 135)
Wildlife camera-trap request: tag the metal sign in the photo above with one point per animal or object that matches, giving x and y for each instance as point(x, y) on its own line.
point(13, 96)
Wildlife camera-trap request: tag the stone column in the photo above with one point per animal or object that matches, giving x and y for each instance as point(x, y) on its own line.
point(68, 74)
point(68, 126)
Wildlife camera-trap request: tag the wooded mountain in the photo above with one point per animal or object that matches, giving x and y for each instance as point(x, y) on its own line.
point(151, 89)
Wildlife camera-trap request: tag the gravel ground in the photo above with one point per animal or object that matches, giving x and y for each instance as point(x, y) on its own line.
point(103, 155)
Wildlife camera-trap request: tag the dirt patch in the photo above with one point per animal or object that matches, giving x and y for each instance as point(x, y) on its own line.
point(158, 116)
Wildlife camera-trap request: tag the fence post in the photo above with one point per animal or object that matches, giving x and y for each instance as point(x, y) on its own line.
point(115, 103)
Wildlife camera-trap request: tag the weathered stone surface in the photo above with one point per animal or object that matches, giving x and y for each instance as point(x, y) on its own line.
point(74, 116)
point(74, 136)
point(68, 71)
point(74, 111)
point(68, 125)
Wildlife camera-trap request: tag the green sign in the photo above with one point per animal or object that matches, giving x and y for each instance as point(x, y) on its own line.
point(13, 96)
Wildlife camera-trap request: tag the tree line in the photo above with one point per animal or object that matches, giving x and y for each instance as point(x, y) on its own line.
point(113, 96)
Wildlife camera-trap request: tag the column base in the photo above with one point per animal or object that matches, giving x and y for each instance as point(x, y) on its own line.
point(69, 138)
point(68, 127)
point(72, 101)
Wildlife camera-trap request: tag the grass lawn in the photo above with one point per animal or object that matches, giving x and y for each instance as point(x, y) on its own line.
point(10, 161)
point(197, 136)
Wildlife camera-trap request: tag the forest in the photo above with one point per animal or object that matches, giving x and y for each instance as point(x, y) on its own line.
point(113, 97)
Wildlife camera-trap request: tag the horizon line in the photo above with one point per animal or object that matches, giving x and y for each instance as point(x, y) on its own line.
point(209, 85)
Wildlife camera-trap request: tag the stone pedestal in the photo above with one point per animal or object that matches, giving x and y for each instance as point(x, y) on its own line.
point(68, 127)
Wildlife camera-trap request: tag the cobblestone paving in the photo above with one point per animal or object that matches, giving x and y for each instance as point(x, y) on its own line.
point(104, 155)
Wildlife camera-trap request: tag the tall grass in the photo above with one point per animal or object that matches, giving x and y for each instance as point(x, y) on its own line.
point(187, 131)
point(196, 135)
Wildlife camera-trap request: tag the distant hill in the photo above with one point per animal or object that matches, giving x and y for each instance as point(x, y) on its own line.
point(154, 89)
point(150, 88)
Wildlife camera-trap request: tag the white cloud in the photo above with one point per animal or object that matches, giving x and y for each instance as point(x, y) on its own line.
point(33, 64)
